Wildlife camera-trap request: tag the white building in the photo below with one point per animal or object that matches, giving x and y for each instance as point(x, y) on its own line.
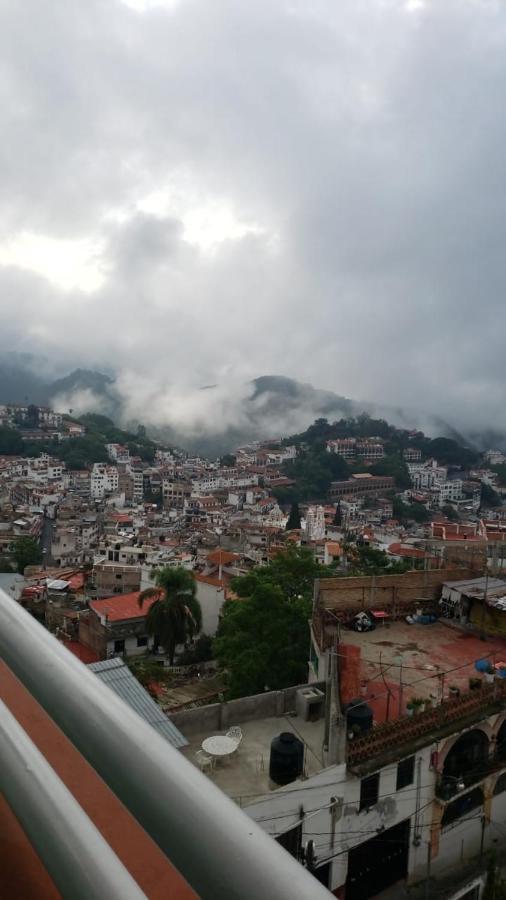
point(428, 476)
point(104, 480)
point(449, 491)
point(362, 813)
point(315, 523)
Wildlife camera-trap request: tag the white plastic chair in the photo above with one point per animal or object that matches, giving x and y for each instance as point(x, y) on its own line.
point(236, 734)
point(205, 762)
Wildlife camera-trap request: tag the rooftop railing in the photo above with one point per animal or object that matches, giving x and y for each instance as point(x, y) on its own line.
point(218, 849)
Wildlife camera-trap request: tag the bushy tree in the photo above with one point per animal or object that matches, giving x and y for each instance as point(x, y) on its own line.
point(489, 497)
point(26, 552)
point(263, 637)
point(228, 460)
point(293, 518)
point(11, 442)
point(406, 512)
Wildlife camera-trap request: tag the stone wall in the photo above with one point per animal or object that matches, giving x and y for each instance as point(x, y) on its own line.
point(385, 591)
point(220, 716)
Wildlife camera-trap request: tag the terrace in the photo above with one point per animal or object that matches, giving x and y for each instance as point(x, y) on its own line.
point(399, 661)
point(245, 774)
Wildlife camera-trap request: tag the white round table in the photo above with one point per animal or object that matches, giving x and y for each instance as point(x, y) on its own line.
point(219, 745)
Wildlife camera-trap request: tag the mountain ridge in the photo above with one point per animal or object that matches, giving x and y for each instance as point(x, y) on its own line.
point(270, 406)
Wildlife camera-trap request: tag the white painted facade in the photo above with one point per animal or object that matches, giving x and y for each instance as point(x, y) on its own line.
point(104, 480)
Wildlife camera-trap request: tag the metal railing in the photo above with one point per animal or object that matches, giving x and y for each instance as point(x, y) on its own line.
point(79, 860)
point(218, 849)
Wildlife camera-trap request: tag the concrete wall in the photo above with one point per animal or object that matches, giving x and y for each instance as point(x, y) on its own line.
point(341, 825)
point(211, 599)
point(382, 591)
point(219, 716)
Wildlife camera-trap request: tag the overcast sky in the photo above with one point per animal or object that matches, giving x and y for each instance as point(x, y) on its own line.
point(202, 191)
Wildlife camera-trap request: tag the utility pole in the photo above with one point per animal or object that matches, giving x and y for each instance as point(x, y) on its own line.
point(482, 838)
point(427, 879)
point(400, 685)
point(483, 604)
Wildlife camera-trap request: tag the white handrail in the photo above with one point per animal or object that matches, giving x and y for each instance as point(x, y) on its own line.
point(218, 849)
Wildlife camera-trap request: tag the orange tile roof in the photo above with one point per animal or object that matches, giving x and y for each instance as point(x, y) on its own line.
point(124, 606)
point(334, 548)
point(406, 550)
point(222, 557)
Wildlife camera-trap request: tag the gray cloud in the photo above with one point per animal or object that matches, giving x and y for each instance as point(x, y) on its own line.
point(358, 146)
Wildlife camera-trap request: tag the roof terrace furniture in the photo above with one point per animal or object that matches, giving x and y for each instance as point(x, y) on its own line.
point(220, 745)
point(204, 761)
point(236, 734)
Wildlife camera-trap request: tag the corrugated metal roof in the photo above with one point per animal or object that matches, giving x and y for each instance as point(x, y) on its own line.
point(116, 675)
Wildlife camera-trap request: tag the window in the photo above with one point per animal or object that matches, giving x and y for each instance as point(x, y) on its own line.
point(119, 646)
point(461, 806)
point(405, 772)
point(118, 576)
point(369, 789)
point(142, 641)
point(292, 841)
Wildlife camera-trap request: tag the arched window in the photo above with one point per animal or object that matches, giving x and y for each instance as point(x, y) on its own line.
point(461, 806)
point(467, 758)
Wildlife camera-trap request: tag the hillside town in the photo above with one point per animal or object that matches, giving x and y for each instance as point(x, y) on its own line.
point(389, 730)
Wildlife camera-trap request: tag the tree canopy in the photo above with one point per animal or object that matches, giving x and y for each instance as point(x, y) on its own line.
point(263, 637)
point(314, 468)
point(11, 442)
point(294, 518)
point(406, 512)
point(26, 552)
point(363, 559)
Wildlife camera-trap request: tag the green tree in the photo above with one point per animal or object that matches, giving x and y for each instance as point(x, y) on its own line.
point(175, 616)
point(338, 517)
point(394, 466)
point(367, 560)
point(263, 637)
point(406, 512)
point(228, 460)
point(489, 497)
point(450, 513)
point(26, 552)
point(293, 518)
point(11, 442)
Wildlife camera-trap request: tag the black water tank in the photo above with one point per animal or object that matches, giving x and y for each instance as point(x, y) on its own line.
point(287, 758)
point(358, 714)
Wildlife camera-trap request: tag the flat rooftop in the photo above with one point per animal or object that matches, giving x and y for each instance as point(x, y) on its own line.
point(245, 775)
point(427, 658)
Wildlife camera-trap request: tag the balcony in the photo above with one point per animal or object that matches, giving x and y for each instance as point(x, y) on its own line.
point(403, 736)
point(471, 759)
point(98, 804)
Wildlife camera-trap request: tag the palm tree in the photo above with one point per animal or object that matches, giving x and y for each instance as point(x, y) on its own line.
point(175, 615)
